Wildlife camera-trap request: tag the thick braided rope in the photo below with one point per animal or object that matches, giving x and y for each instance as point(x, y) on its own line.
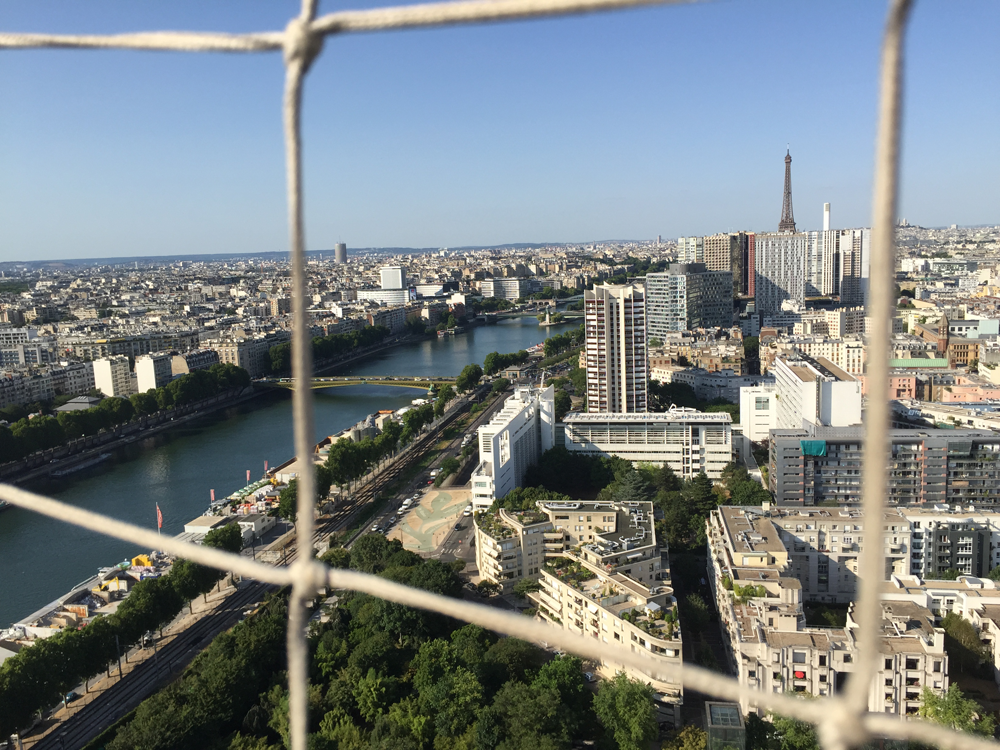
point(842, 721)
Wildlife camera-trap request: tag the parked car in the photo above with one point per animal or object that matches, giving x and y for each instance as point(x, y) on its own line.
point(458, 527)
point(374, 528)
point(589, 676)
point(71, 696)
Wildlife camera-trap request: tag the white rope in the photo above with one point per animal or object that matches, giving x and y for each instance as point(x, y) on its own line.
point(842, 721)
point(877, 447)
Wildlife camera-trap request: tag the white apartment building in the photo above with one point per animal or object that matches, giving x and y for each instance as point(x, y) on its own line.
point(153, 371)
point(691, 249)
point(113, 376)
point(397, 297)
point(848, 353)
point(601, 573)
point(771, 648)
point(687, 440)
point(393, 277)
point(779, 270)
point(815, 391)
point(758, 410)
point(617, 367)
point(511, 441)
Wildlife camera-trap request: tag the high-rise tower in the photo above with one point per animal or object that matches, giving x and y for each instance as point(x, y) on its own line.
point(787, 223)
point(617, 369)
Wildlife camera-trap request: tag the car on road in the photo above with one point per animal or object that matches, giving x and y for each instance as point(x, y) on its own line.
point(374, 528)
point(392, 520)
point(71, 696)
point(589, 676)
point(468, 511)
point(458, 527)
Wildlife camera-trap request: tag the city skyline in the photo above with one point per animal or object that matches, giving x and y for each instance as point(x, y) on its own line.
point(558, 131)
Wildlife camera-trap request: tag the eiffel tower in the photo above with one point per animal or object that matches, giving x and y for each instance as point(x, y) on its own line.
point(787, 223)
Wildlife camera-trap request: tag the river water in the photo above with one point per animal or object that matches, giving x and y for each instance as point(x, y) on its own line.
point(41, 559)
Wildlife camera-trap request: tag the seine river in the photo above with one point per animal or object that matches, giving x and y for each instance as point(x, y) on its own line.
point(41, 559)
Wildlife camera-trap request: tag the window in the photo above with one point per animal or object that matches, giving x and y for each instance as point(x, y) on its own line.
point(762, 403)
point(888, 663)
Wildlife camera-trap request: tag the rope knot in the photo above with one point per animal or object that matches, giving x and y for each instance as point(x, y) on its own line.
point(301, 43)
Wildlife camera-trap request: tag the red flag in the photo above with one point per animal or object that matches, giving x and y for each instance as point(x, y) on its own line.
point(265, 467)
point(213, 495)
point(248, 476)
point(159, 517)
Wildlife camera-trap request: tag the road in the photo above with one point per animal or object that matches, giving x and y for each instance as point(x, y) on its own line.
point(71, 727)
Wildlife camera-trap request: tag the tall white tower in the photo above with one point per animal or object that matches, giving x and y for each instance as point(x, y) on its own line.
point(826, 217)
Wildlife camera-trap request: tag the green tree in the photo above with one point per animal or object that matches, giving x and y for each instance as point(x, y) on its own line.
point(526, 586)
point(961, 640)
point(625, 709)
point(793, 734)
point(689, 737)
point(500, 385)
point(469, 377)
point(955, 711)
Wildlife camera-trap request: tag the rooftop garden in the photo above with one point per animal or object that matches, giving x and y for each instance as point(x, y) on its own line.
point(659, 624)
point(568, 571)
point(528, 517)
point(493, 526)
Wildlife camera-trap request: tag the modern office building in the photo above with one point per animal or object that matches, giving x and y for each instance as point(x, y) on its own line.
point(615, 330)
point(814, 391)
point(688, 296)
point(688, 441)
point(601, 570)
point(822, 466)
point(393, 277)
point(113, 376)
point(730, 251)
point(510, 288)
point(340, 253)
point(779, 270)
point(511, 441)
point(153, 371)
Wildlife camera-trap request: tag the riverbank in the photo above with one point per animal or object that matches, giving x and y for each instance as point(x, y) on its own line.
point(68, 456)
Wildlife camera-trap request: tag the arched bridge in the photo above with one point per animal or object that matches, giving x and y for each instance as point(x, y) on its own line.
point(421, 382)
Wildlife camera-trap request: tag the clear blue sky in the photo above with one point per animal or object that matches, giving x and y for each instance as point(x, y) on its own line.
point(667, 121)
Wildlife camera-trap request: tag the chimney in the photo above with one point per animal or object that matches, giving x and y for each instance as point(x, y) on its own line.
point(826, 217)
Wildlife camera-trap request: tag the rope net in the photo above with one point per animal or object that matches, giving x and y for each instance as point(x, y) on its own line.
point(842, 720)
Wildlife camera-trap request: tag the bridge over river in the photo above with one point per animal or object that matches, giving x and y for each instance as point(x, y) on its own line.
point(420, 382)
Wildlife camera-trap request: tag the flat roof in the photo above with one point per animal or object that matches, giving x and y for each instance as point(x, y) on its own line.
point(675, 415)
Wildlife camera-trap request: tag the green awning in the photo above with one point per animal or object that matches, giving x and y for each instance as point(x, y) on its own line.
point(813, 447)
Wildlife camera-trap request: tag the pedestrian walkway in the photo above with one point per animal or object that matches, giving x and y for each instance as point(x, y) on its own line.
point(424, 528)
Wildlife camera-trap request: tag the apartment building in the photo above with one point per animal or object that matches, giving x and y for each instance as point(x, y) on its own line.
point(689, 441)
point(113, 376)
point(730, 252)
point(602, 573)
point(779, 270)
point(770, 647)
point(250, 353)
point(153, 371)
point(393, 318)
point(814, 390)
point(688, 296)
point(200, 359)
point(615, 332)
point(131, 345)
point(847, 352)
point(513, 439)
point(822, 466)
